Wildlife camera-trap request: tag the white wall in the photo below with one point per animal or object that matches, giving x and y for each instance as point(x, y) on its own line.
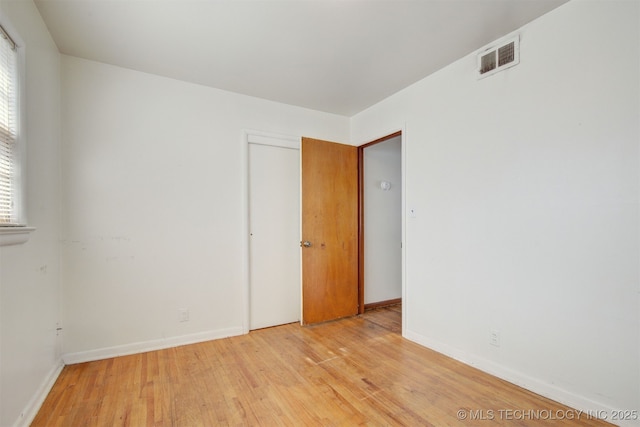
point(154, 179)
point(526, 190)
point(383, 221)
point(29, 273)
point(525, 186)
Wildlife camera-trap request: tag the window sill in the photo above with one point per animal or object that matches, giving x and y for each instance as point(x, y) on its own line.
point(14, 235)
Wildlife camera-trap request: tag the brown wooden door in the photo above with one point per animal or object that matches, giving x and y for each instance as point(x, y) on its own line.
point(330, 225)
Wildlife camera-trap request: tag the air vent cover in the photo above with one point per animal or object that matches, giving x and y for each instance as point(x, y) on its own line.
point(498, 57)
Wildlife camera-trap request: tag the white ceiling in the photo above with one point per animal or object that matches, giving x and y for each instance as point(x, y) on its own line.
point(338, 56)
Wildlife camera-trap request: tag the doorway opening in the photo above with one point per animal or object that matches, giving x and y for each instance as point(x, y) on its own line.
point(380, 217)
point(373, 241)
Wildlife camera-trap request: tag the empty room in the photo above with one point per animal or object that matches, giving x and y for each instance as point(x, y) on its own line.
point(319, 212)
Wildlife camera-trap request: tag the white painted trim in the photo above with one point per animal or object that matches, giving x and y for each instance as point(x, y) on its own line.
point(15, 235)
point(534, 385)
point(144, 346)
point(250, 136)
point(403, 180)
point(300, 234)
point(282, 141)
point(246, 266)
point(33, 406)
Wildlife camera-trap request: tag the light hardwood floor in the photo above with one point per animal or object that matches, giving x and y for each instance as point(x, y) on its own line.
point(356, 371)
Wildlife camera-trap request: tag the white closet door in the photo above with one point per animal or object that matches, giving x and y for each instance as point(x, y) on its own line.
point(274, 233)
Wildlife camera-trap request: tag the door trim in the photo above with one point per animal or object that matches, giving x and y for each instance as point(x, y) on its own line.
point(250, 136)
point(270, 138)
point(361, 212)
point(402, 132)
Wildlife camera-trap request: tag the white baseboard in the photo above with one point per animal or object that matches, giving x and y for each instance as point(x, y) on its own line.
point(33, 406)
point(587, 406)
point(141, 347)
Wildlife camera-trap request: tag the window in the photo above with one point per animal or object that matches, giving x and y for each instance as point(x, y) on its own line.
point(8, 131)
point(12, 222)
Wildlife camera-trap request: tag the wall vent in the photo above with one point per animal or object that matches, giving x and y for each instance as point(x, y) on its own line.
point(498, 57)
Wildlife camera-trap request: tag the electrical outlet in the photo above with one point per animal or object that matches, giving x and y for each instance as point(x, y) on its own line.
point(494, 338)
point(183, 315)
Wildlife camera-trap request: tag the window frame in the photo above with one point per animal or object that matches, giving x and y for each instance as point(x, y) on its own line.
point(18, 233)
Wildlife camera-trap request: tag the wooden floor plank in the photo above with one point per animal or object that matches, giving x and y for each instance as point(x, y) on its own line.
point(355, 371)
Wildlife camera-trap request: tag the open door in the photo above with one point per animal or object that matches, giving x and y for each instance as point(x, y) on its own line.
point(329, 230)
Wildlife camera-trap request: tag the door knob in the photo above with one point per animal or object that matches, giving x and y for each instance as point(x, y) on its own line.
point(306, 244)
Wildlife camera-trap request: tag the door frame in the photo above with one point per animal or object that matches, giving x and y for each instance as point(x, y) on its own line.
point(379, 137)
point(361, 233)
point(265, 138)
